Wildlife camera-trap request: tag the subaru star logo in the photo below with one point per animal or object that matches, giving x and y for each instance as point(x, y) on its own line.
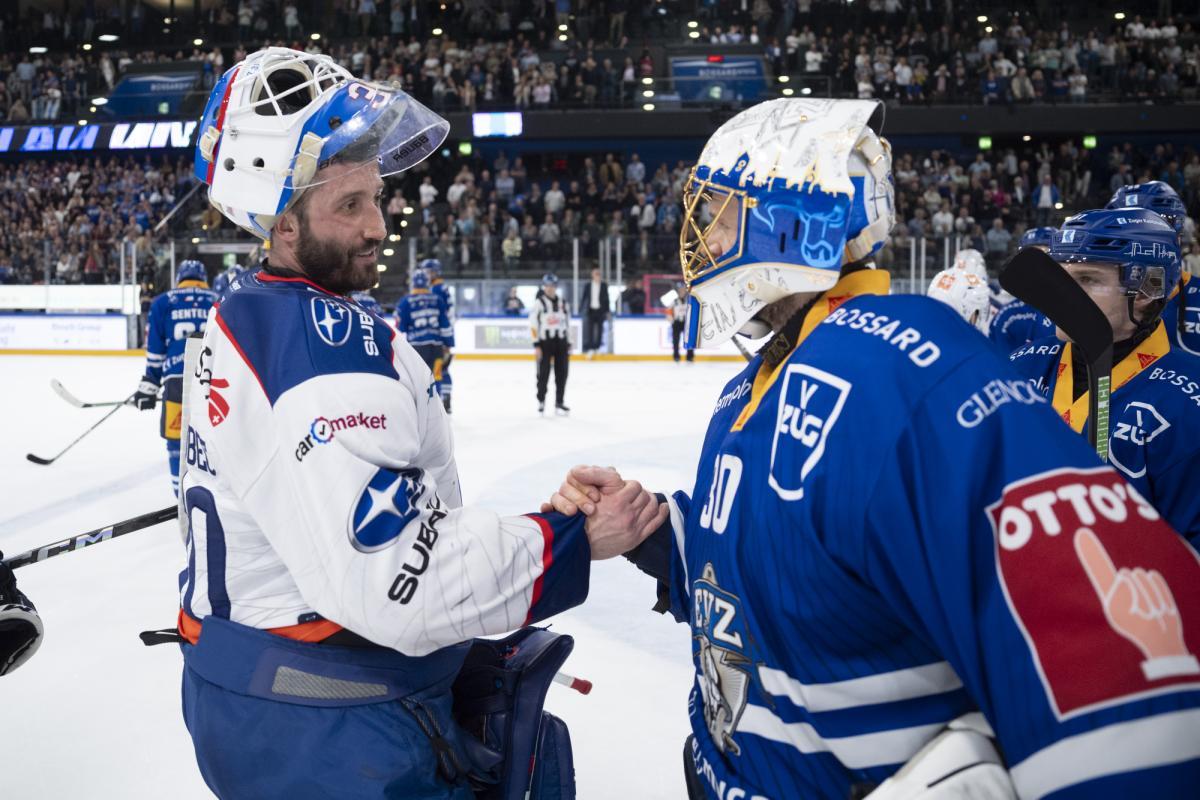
point(332, 321)
point(387, 504)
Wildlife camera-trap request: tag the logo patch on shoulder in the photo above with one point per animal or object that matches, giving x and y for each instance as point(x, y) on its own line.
point(331, 320)
point(387, 504)
point(809, 405)
point(1106, 595)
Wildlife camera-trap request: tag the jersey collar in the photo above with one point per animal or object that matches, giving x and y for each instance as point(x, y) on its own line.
point(1075, 413)
point(855, 284)
point(191, 285)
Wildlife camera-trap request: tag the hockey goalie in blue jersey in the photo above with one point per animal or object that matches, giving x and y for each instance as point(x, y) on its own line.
point(1182, 312)
point(1018, 324)
point(1126, 259)
point(894, 550)
point(174, 315)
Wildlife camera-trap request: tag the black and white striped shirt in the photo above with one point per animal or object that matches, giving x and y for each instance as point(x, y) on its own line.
point(549, 318)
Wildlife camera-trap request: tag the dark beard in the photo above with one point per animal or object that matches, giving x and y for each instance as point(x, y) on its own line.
point(333, 268)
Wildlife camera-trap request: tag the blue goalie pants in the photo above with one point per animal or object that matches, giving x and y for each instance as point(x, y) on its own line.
point(275, 718)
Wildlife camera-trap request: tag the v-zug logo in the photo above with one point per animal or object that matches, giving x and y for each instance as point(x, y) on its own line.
point(332, 321)
point(386, 506)
point(809, 405)
point(1137, 425)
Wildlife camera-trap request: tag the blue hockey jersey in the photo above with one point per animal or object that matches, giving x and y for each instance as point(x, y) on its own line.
point(224, 283)
point(438, 287)
point(423, 318)
point(1154, 418)
point(174, 315)
point(1182, 315)
point(1017, 324)
point(872, 548)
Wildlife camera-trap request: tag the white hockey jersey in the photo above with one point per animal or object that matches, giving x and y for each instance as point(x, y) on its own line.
point(322, 492)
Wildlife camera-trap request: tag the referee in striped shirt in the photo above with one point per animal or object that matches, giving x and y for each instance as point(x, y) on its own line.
point(550, 324)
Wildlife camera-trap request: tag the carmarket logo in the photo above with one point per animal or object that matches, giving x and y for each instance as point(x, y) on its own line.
point(322, 430)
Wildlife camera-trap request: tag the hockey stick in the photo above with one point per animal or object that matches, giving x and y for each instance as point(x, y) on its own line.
point(52, 459)
point(741, 348)
point(90, 538)
point(62, 392)
point(1036, 278)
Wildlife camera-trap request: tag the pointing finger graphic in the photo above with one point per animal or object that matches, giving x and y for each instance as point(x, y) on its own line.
point(1096, 563)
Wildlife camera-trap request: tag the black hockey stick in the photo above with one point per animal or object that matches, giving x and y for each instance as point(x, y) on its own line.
point(52, 459)
point(741, 348)
point(93, 537)
point(62, 392)
point(1036, 278)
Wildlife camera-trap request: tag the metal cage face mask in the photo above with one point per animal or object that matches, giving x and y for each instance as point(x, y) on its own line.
point(714, 227)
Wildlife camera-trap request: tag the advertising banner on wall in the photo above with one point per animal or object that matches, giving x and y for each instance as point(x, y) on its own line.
point(63, 332)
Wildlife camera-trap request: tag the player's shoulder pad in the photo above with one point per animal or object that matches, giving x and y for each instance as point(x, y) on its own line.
point(1172, 382)
point(289, 331)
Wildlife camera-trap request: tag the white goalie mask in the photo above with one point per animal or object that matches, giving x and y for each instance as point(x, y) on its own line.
point(783, 195)
point(971, 260)
point(273, 120)
point(966, 293)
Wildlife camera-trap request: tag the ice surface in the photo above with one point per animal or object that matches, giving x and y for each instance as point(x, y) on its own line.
point(96, 714)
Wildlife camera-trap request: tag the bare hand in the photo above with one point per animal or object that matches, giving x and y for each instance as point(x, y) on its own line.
point(623, 519)
point(582, 489)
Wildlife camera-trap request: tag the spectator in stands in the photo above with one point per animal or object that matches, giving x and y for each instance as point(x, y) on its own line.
point(511, 249)
point(998, 241)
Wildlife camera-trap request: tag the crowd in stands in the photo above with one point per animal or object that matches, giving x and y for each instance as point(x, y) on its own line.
point(536, 54)
point(65, 220)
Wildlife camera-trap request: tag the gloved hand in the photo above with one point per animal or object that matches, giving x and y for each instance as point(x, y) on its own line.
point(146, 395)
point(20, 625)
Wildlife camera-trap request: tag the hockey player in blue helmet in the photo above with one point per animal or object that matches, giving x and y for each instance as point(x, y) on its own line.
point(174, 315)
point(423, 318)
point(433, 268)
point(880, 551)
point(224, 283)
point(1182, 313)
point(366, 301)
point(1125, 259)
point(334, 582)
point(1017, 324)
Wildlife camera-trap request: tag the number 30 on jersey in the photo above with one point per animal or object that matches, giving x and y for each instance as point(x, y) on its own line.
point(727, 476)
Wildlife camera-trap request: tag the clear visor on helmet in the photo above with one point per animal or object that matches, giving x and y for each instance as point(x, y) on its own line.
point(1102, 279)
point(714, 226)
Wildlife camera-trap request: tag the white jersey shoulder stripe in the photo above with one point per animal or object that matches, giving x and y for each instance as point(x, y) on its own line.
point(1122, 747)
point(885, 687)
point(856, 752)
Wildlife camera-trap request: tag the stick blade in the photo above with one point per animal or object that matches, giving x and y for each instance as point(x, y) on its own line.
point(1036, 278)
point(62, 392)
point(39, 460)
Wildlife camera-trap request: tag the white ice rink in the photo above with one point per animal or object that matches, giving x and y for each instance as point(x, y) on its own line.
point(95, 714)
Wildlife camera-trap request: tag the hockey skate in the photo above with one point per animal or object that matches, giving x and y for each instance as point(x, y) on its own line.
point(562, 410)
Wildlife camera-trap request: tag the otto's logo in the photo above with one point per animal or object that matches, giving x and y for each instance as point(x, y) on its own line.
point(1106, 595)
point(809, 405)
point(332, 321)
point(218, 406)
point(322, 430)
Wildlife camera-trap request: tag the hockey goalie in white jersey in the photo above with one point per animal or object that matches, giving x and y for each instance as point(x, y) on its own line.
point(333, 580)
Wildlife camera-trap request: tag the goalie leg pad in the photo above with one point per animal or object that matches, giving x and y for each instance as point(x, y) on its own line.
point(522, 751)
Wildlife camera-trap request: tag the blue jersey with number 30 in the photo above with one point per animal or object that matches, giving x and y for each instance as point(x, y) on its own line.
point(174, 315)
point(893, 529)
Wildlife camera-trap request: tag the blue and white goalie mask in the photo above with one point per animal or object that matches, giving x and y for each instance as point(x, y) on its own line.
point(784, 194)
point(274, 120)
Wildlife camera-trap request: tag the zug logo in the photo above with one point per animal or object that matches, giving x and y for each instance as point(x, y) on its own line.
point(810, 403)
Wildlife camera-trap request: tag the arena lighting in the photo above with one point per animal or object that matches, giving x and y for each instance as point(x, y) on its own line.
point(647, 81)
point(694, 35)
point(83, 122)
point(197, 42)
point(87, 46)
point(648, 93)
point(408, 209)
point(1119, 15)
point(108, 37)
point(988, 29)
point(1026, 138)
point(166, 20)
point(784, 79)
point(465, 148)
point(1089, 142)
point(562, 27)
point(316, 37)
point(693, 24)
point(436, 31)
point(806, 90)
point(981, 18)
point(395, 237)
point(562, 37)
point(403, 223)
point(985, 143)
point(382, 267)
point(648, 107)
point(92, 110)
point(1058, 206)
point(37, 51)
point(389, 252)
point(788, 92)
point(99, 101)
point(195, 240)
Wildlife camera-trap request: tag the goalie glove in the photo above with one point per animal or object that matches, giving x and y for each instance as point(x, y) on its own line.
point(146, 395)
point(20, 625)
point(960, 763)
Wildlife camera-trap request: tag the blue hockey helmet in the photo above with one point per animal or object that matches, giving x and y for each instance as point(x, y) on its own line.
point(191, 270)
point(365, 300)
point(289, 114)
point(1137, 241)
point(784, 194)
point(1038, 237)
point(1158, 196)
point(420, 279)
point(432, 266)
point(549, 279)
